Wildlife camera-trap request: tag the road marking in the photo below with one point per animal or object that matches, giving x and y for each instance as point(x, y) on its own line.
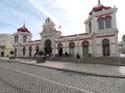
point(36, 76)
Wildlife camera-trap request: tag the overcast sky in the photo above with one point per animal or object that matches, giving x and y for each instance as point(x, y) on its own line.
point(70, 14)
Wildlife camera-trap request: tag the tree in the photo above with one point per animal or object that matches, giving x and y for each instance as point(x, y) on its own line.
point(12, 55)
point(12, 52)
point(40, 53)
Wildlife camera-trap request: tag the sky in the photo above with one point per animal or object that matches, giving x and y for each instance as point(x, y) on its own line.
point(70, 14)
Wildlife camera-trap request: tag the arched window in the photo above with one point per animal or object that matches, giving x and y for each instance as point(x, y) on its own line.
point(101, 23)
point(105, 47)
point(30, 51)
point(48, 48)
point(108, 22)
point(71, 48)
point(60, 49)
point(60, 45)
point(85, 45)
point(24, 39)
point(37, 49)
point(16, 39)
point(24, 50)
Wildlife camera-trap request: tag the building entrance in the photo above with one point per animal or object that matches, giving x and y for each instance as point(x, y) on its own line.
point(48, 48)
point(2, 54)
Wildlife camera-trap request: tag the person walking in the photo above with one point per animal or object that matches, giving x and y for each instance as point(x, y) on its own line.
point(78, 57)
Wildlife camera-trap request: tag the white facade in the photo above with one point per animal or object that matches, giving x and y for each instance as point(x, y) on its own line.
point(100, 39)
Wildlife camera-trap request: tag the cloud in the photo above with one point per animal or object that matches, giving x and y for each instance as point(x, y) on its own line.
point(12, 18)
point(38, 5)
point(70, 14)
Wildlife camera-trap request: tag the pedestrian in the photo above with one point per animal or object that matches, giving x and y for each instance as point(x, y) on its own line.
point(78, 57)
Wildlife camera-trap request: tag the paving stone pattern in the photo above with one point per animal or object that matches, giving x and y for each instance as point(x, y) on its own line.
point(23, 83)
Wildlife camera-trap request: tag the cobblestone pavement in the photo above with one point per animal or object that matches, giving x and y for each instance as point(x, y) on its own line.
point(21, 78)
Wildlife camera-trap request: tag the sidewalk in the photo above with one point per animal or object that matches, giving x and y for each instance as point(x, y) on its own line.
point(90, 69)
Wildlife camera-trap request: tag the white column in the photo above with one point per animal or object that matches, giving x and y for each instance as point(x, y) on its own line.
point(65, 44)
point(78, 43)
point(94, 45)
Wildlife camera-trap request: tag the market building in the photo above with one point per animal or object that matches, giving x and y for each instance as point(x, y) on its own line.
point(100, 37)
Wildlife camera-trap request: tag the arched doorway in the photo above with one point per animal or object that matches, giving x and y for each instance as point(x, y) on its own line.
point(37, 49)
point(60, 49)
point(2, 54)
point(30, 51)
point(105, 47)
point(48, 49)
point(85, 45)
point(71, 48)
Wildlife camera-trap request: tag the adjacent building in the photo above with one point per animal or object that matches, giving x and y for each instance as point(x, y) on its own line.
point(6, 44)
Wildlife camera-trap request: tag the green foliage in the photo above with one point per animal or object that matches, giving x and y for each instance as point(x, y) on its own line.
point(40, 53)
point(11, 52)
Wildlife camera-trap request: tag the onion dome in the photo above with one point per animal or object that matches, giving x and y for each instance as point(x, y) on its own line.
point(99, 7)
point(23, 29)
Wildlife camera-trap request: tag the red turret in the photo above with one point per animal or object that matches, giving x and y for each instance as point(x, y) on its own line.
point(99, 7)
point(23, 29)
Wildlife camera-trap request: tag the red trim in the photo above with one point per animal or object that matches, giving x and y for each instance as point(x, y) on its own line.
point(84, 34)
point(105, 36)
point(85, 38)
point(105, 14)
point(24, 34)
point(71, 44)
point(72, 40)
point(112, 43)
point(85, 43)
point(100, 18)
point(103, 17)
point(60, 45)
point(31, 44)
point(108, 16)
point(73, 35)
point(98, 8)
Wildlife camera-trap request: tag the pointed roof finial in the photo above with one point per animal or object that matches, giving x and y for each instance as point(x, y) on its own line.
point(98, 1)
point(24, 24)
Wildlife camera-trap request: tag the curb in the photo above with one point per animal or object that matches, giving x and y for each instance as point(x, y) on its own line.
point(74, 71)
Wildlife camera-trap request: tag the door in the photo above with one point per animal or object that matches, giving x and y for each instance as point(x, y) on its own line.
point(48, 48)
point(105, 47)
point(85, 45)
